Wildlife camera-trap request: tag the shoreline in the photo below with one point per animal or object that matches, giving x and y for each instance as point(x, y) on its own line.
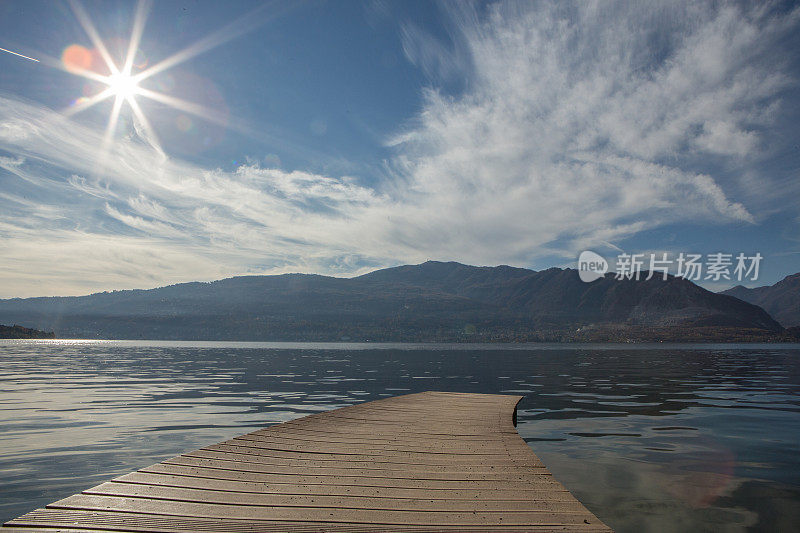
point(454, 346)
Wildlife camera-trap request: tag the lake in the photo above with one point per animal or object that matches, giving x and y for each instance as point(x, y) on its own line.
point(648, 437)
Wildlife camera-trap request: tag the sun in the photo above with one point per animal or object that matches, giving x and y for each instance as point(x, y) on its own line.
point(123, 85)
point(120, 82)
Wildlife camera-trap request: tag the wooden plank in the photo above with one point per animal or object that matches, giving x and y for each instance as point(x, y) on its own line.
point(534, 514)
point(109, 521)
point(392, 440)
point(422, 462)
point(306, 445)
point(236, 453)
point(222, 459)
point(304, 478)
point(527, 493)
point(256, 466)
point(327, 501)
point(352, 458)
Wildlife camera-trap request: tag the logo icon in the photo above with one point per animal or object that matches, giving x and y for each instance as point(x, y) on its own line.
point(591, 266)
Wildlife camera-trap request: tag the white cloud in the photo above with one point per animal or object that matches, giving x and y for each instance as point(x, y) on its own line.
point(581, 124)
point(722, 137)
point(440, 61)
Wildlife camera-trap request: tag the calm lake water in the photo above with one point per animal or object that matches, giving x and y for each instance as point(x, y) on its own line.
point(650, 438)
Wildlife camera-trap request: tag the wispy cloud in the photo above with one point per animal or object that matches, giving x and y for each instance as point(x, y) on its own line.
point(583, 123)
point(580, 124)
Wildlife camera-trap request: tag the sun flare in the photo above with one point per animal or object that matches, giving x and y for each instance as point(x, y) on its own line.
point(120, 81)
point(123, 85)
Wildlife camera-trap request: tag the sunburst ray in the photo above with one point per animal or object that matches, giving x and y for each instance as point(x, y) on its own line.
point(91, 31)
point(89, 102)
point(184, 105)
point(245, 24)
point(150, 134)
point(124, 85)
point(139, 19)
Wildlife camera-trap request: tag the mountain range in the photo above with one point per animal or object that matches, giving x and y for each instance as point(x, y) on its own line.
point(433, 301)
point(781, 300)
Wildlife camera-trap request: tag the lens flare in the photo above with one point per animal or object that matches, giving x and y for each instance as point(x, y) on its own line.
point(183, 123)
point(77, 58)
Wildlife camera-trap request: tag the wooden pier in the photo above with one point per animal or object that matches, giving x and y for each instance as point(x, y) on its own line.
point(432, 461)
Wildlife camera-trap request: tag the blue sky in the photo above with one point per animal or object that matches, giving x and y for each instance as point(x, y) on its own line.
point(339, 137)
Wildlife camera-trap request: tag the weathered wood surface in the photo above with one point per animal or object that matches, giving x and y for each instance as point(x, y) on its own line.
point(432, 461)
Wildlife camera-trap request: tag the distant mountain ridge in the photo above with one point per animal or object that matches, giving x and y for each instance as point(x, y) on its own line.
point(426, 302)
point(781, 300)
point(19, 332)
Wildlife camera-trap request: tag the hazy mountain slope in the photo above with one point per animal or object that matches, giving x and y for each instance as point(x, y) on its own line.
point(781, 300)
point(19, 332)
point(431, 301)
